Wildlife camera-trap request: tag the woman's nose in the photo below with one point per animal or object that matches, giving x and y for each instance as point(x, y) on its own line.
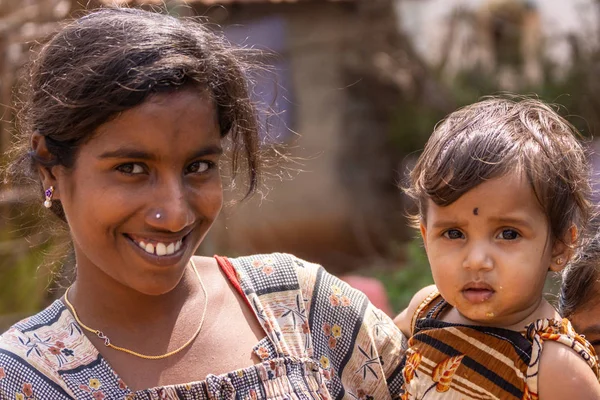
point(171, 208)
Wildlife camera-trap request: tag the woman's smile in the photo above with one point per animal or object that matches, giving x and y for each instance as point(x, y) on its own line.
point(160, 253)
point(160, 250)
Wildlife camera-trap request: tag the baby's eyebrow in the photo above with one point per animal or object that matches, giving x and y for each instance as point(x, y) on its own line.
point(449, 223)
point(512, 221)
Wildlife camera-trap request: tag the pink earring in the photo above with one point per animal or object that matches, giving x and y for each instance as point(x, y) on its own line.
point(48, 193)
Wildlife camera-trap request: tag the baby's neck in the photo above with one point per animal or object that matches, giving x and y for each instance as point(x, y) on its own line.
point(544, 311)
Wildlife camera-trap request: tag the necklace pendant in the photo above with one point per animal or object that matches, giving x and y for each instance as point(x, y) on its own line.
point(103, 337)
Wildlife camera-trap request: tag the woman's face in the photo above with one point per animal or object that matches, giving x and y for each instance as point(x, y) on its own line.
point(145, 190)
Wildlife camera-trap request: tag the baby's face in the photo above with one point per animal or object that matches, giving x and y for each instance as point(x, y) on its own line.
point(586, 320)
point(489, 251)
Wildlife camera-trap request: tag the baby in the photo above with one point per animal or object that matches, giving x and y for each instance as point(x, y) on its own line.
point(502, 191)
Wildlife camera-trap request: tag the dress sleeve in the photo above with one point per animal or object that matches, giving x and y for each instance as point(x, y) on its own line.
point(357, 345)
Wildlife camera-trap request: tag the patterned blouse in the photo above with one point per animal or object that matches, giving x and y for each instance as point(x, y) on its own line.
point(324, 340)
point(460, 362)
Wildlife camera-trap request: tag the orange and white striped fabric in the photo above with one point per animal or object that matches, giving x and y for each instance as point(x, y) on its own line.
point(452, 361)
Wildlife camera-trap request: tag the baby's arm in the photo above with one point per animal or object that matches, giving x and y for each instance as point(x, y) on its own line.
point(403, 319)
point(564, 374)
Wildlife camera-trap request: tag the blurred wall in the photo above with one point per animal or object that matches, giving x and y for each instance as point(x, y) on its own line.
point(323, 207)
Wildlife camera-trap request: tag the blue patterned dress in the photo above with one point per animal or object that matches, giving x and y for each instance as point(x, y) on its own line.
point(323, 340)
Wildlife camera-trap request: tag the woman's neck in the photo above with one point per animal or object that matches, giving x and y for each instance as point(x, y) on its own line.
point(101, 302)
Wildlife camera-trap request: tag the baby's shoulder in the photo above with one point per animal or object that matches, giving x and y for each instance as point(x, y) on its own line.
point(553, 334)
point(405, 320)
point(562, 349)
point(581, 382)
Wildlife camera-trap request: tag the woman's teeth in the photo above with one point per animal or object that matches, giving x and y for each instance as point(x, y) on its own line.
point(161, 249)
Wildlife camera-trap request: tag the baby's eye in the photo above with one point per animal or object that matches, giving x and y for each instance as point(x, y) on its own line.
point(198, 167)
point(131, 168)
point(453, 234)
point(508, 234)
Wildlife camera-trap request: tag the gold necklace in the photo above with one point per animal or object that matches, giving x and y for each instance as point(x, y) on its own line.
point(107, 342)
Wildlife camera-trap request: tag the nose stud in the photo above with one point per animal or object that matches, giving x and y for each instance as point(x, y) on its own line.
point(158, 216)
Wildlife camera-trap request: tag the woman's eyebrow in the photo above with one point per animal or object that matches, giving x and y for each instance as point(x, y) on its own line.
point(127, 152)
point(135, 153)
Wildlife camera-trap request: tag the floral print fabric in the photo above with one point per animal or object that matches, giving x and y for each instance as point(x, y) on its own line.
point(324, 340)
point(452, 361)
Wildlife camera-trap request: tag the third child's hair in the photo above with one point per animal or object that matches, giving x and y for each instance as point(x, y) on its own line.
point(579, 278)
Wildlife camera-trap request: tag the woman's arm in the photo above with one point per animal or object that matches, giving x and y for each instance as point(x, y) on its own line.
point(357, 344)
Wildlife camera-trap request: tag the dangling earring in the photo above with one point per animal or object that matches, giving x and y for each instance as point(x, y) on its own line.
point(49, 192)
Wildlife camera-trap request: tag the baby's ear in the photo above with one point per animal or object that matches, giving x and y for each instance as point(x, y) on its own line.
point(562, 250)
point(423, 230)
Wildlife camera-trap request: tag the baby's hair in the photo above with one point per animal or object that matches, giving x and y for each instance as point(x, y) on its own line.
point(499, 135)
point(114, 59)
point(578, 279)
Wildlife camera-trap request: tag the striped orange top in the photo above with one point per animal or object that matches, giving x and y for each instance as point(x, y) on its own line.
point(453, 361)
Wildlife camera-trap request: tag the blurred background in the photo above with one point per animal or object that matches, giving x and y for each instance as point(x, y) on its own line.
point(357, 86)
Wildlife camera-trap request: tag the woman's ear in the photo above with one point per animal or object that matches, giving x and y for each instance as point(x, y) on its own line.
point(562, 250)
point(45, 158)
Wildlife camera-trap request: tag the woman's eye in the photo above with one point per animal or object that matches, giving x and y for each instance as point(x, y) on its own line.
point(508, 234)
point(130, 168)
point(453, 234)
point(198, 167)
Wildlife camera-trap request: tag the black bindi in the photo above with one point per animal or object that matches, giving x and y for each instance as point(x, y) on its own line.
point(476, 211)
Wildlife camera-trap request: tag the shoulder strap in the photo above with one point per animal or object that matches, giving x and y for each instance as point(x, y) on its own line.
point(227, 268)
point(422, 309)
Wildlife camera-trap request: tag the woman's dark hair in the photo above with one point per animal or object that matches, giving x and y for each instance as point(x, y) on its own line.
point(578, 279)
point(112, 60)
point(497, 136)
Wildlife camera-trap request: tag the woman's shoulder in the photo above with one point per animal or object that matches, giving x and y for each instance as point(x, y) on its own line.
point(263, 273)
point(276, 261)
point(337, 325)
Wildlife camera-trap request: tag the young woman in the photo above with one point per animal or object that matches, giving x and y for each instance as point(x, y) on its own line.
point(127, 119)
